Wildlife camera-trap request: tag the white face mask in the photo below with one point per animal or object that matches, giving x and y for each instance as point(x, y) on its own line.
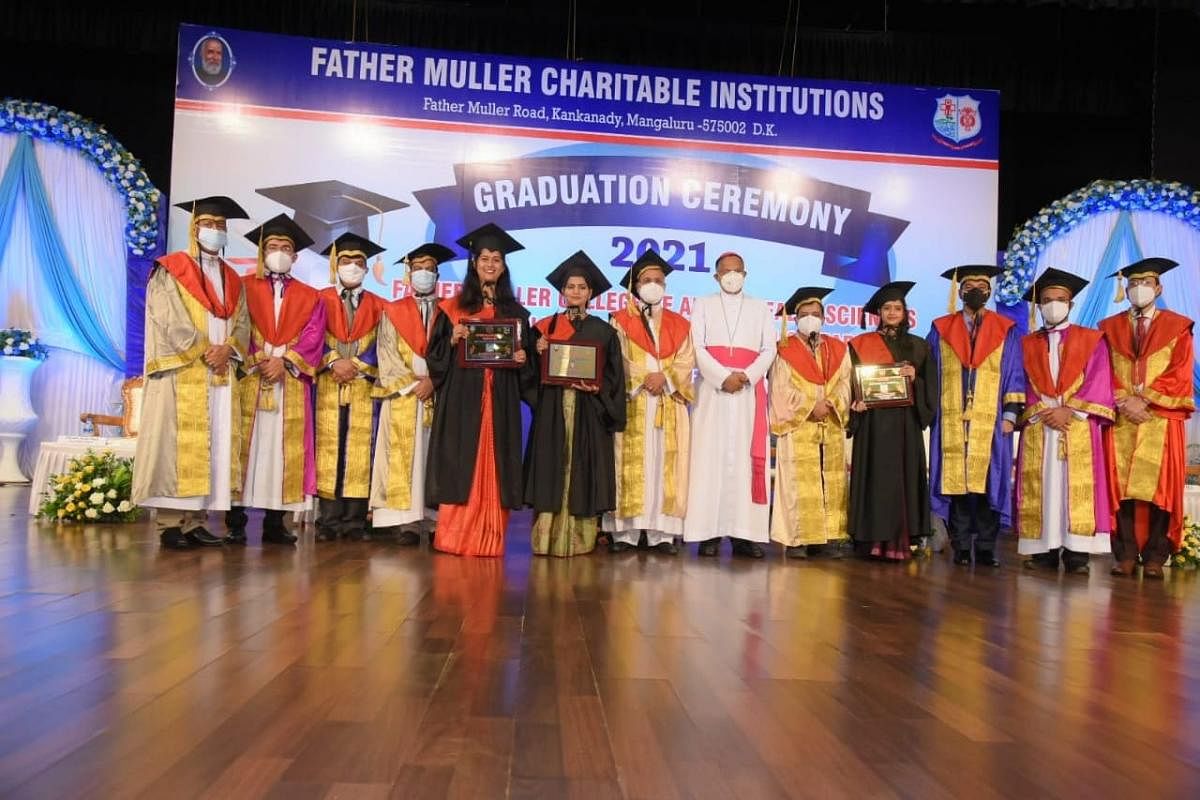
point(732, 282)
point(651, 293)
point(1141, 296)
point(211, 239)
point(807, 326)
point(423, 281)
point(351, 275)
point(278, 262)
point(1054, 312)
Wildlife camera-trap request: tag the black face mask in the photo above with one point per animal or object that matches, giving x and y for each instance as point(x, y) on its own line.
point(975, 299)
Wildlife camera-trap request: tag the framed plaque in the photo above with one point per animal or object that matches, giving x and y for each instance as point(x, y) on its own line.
point(490, 343)
point(882, 386)
point(566, 363)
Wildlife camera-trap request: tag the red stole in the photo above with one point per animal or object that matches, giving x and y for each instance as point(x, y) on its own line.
point(991, 330)
point(1078, 344)
point(738, 358)
point(1165, 327)
point(800, 358)
point(188, 274)
point(366, 316)
point(299, 299)
point(672, 332)
point(872, 349)
point(405, 316)
point(457, 313)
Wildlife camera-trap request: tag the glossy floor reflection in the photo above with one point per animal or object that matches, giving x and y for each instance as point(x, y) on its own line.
point(362, 670)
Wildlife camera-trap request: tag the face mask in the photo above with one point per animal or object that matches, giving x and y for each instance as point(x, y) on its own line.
point(732, 282)
point(807, 326)
point(975, 299)
point(1141, 296)
point(423, 281)
point(278, 262)
point(651, 293)
point(211, 239)
point(351, 275)
point(1054, 312)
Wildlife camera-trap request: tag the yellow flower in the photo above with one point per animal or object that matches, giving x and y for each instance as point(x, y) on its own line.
point(62, 512)
point(70, 507)
point(89, 469)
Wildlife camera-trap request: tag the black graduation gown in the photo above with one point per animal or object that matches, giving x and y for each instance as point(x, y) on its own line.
point(889, 487)
point(597, 417)
point(458, 401)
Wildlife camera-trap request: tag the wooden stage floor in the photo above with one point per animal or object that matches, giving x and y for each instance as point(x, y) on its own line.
point(366, 670)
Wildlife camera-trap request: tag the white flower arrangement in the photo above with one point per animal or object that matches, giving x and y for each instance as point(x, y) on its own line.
point(22, 343)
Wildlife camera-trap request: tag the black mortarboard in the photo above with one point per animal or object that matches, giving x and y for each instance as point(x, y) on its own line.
point(1054, 277)
point(896, 290)
point(349, 244)
point(805, 294)
point(331, 208)
point(216, 206)
point(578, 263)
point(648, 259)
point(280, 225)
point(489, 237)
point(1144, 268)
point(966, 271)
point(437, 252)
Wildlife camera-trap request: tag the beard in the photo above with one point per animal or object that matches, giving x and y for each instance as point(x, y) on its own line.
point(211, 68)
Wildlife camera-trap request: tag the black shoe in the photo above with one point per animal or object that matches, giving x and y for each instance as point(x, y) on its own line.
point(799, 551)
point(326, 535)
point(838, 550)
point(408, 538)
point(278, 536)
point(962, 557)
point(741, 547)
point(236, 536)
point(666, 548)
point(173, 539)
point(709, 547)
point(616, 546)
point(200, 537)
point(1079, 568)
point(986, 558)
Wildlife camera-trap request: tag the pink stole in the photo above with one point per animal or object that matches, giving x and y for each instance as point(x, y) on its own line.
point(739, 358)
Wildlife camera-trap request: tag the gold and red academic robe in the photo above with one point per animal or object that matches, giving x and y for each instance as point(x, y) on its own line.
point(185, 315)
point(359, 344)
point(1151, 458)
point(810, 457)
point(639, 489)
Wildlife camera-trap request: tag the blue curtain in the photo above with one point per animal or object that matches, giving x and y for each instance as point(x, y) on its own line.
point(1123, 248)
point(23, 178)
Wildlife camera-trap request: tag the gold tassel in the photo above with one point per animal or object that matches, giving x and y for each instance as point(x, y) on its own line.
point(1120, 298)
point(193, 234)
point(783, 326)
point(260, 267)
point(1032, 317)
point(266, 396)
point(952, 303)
point(333, 257)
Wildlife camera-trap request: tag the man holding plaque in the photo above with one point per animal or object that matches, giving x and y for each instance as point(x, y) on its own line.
point(1152, 370)
point(345, 407)
point(652, 451)
point(570, 479)
point(287, 332)
point(895, 399)
point(977, 361)
point(479, 362)
point(406, 414)
point(1066, 493)
point(810, 406)
point(734, 336)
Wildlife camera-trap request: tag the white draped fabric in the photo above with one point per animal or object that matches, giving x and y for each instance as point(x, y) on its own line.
point(91, 219)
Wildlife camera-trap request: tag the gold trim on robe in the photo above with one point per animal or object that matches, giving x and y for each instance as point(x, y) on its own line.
point(967, 432)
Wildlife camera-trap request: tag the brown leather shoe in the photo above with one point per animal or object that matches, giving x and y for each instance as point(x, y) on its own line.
point(1154, 571)
point(1124, 568)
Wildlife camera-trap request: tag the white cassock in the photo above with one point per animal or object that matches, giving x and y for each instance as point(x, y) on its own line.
point(659, 527)
point(1055, 523)
point(719, 484)
point(264, 468)
point(220, 415)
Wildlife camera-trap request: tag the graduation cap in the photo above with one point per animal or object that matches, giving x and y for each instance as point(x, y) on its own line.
point(349, 244)
point(1145, 268)
point(218, 206)
point(648, 260)
point(957, 275)
point(331, 208)
point(578, 263)
point(805, 294)
point(489, 237)
point(896, 290)
point(1052, 278)
point(280, 226)
point(437, 252)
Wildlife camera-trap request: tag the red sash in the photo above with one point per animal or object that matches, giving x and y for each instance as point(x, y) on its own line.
point(405, 316)
point(1078, 344)
point(739, 358)
point(188, 274)
point(799, 357)
point(672, 332)
point(992, 329)
point(872, 349)
point(366, 316)
point(299, 299)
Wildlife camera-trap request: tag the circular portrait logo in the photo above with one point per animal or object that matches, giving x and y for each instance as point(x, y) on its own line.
point(212, 60)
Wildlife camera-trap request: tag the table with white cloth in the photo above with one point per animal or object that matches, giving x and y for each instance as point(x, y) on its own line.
point(54, 456)
point(1191, 502)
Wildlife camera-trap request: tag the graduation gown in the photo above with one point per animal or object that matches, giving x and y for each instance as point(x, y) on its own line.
point(889, 489)
point(593, 489)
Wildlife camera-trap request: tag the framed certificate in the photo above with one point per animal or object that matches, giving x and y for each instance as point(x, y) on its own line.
point(882, 386)
point(490, 343)
point(565, 363)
